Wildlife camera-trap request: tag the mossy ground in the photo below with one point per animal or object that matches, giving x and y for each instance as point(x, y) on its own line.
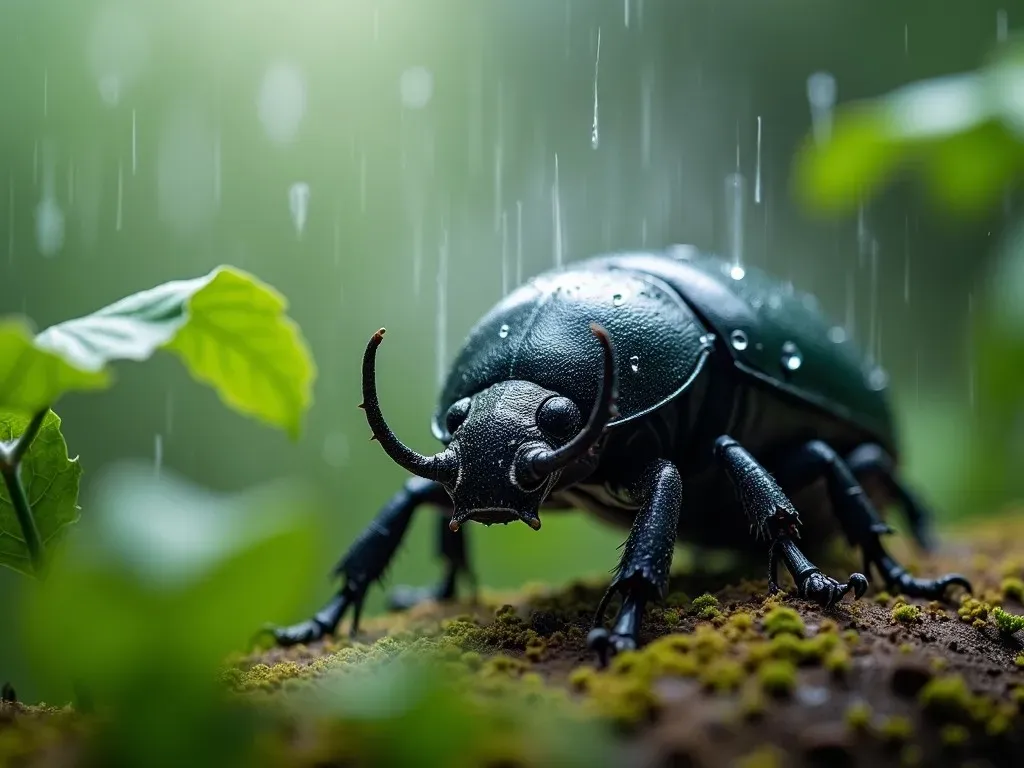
point(726, 675)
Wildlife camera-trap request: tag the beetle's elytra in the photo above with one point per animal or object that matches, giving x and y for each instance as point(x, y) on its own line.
point(670, 392)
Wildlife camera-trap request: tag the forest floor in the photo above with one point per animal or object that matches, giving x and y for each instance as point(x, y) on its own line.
point(725, 676)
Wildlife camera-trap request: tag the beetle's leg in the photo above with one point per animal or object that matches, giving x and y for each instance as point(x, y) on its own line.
point(642, 572)
point(452, 548)
point(858, 518)
point(365, 562)
point(872, 458)
point(773, 517)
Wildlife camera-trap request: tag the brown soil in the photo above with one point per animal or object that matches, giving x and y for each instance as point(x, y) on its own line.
point(746, 682)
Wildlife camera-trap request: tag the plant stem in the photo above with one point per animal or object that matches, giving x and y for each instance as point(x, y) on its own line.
point(10, 469)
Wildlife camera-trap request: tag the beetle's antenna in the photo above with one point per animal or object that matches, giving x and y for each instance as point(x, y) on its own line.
point(546, 462)
point(437, 467)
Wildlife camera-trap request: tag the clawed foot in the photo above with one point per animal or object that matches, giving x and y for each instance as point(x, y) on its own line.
point(930, 589)
point(324, 622)
point(606, 644)
point(826, 591)
point(308, 631)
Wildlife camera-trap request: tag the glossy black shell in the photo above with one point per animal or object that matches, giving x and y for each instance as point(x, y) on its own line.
point(664, 312)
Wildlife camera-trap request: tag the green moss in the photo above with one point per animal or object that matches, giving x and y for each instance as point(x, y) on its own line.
point(706, 606)
point(972, 610)
point(838, 662)
point(766, 756)
point(858, 717)
point(906, 614)
point(946, 696)
point(778, 677)
point(883, 598)
point(782, 620)
point(1013, 588)
point(896, 729)
point(953, 735)
point(911, 755)
point(1007, 623)
point(722, 675)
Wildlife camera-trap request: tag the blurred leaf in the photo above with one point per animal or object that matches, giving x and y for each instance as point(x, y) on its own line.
point(31, 378)
point(50, 480)
point(965, 131)
point(162, 581)
point(229, 329)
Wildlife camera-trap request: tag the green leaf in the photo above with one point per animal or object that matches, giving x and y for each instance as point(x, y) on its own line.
point(231, 331)
point(51, 482)
point(965, 131)
point(163, 573)
point(32, 378)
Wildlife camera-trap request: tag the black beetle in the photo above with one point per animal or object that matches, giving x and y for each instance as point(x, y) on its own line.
point(714, 392)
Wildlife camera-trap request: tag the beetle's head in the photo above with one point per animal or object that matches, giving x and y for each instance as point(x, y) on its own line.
point(510, 442)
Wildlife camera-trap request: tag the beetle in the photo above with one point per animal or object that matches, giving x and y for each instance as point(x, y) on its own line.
point(713, 395)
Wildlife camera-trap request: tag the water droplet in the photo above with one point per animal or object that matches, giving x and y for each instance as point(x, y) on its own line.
point(837, 334)
point(739, 340)
point(416, 86)
point(617, 300)
point(634, 363)
point(792, 359)
point(737, 273)
point(682, 252)
point(298, 205)
point(775, 301)
point(281, 103)
point(49, 226)
point(503, 331)
point(708, 339)
point(878, 379)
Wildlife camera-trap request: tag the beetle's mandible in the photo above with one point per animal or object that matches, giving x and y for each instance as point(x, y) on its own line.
point(667, 392)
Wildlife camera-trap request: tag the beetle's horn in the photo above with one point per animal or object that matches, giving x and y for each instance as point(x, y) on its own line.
point(544, 463)
point(439, 467)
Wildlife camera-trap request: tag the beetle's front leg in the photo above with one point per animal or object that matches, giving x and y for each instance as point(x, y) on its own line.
point(773, 517)
point(642, 573)
point(364, 563)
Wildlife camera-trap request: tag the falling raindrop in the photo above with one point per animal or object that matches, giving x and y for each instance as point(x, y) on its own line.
point(118, 50)
point(362, 182)
point(618, 300)
point(10, 218)
point(46, 93)
point(519, 242)
point(556, 215)
point(281, 102)
point(503, 331)
point(504, 253)
point(1002, 25)
point(792, 359)
point(49, 225)
point(442, 308)
point(739, 340)
point(298, 205)
point(134, 145)
point(837, 334)
point(625, 12)
point(878, 379)
point(416, 86)
point(734, 193)
point(646, 100)
point(594, 135)
point(821, 93)
point(757, 172)
point(119, 217)
point(634, 363)
point(737, 273)
point(158, 453)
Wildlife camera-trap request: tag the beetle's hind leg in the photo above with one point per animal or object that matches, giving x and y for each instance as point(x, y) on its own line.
point(872, 459)
point(642, 573)
point(452, 549)
point(773, 517)
point(858, 518)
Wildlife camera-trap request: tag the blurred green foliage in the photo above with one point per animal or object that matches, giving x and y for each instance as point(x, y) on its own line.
point(965, 134)
point(158, 585)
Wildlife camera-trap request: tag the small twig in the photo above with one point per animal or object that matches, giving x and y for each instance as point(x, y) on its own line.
point(11, 457)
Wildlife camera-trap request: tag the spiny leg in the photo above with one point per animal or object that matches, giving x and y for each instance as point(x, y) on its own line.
point(364, 563)
point(642, 573)
point(773, 517)
point(452, 549)
point(858, 518)
point(872, 458)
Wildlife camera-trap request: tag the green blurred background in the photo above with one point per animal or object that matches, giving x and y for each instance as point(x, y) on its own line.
point(394, 163)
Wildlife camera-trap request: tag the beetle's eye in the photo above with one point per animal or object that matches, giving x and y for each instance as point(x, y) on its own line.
point(559, 417)
point(456, 415)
